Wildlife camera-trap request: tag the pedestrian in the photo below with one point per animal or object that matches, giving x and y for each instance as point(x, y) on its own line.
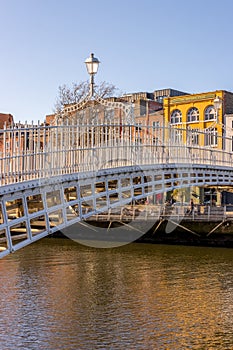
point(192, 206)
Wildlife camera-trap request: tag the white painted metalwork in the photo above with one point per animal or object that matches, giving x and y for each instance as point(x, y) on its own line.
point(41, 151)
point(90, 161)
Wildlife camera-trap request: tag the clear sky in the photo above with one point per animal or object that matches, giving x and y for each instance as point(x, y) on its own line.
point(142, 45)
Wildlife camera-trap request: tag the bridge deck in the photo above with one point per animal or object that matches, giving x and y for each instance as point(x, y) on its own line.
point(55, 176)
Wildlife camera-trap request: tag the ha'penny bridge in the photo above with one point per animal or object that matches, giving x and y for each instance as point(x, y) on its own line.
point(100, 164)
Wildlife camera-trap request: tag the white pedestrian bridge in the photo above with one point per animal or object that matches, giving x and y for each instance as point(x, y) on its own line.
point(87, 163)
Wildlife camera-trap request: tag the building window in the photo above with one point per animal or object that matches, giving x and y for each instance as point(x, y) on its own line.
point(138, 127)
point(193, 137)
point(232, 124)
point(160, 98)
point(210, 113)
point(211, 137)
point(232, 143)
point(193, 115)
point(176, 136)
point(155, 141)
point(155, 125)
point(176, 116)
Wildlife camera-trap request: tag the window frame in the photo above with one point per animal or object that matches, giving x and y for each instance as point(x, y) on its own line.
point(193, 117)
point(193, 137)
point(211, 137)
point(176, 136)
point(155, 124)
point(207, 113)
point(176, 114)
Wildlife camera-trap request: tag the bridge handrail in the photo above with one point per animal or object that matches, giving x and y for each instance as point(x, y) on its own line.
point(39, 151)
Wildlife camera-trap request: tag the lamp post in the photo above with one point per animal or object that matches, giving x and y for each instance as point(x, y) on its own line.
point(92, 64)
point(217, 106)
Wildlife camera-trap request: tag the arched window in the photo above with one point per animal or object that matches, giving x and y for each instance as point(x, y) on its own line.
point(210, 113)
point(176, 116)
point(193, 115)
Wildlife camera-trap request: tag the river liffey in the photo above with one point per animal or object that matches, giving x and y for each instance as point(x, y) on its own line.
point(57, 294)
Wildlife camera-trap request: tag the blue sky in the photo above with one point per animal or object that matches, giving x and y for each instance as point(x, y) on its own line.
point(142, 45)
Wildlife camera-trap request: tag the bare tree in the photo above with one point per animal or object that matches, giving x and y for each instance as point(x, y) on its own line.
point(78, 91)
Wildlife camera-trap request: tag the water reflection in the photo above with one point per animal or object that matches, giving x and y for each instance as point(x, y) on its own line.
point(56, 294)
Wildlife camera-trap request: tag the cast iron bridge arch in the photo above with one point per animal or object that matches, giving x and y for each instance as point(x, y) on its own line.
point(53, 176)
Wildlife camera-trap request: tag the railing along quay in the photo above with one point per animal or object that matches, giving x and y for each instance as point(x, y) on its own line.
point(201, 213)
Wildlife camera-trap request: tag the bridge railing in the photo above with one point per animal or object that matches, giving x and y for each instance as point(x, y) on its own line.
point(39, 151)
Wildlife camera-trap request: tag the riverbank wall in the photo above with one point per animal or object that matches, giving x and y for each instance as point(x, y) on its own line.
point(217, 233)
point(212, 234)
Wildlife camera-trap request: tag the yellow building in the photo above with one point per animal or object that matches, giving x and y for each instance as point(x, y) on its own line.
point(203, 119)
point(202, 112)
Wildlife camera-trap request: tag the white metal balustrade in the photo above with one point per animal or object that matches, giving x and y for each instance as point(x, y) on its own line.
point(52, 176)
point(39, 151)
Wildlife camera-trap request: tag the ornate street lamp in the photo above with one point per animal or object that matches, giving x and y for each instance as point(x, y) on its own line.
point(217, 106)
point(92, 64)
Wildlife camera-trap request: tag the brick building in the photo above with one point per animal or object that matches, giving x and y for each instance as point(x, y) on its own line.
point(5, 121)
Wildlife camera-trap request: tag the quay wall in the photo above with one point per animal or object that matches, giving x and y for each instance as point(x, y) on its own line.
point(201, 233)
point(212, 234)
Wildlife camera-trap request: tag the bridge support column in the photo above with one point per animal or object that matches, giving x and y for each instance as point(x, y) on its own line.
point(7, 228)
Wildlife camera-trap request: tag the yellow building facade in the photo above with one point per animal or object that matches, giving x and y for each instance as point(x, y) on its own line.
point(198, 118)
point(201, 119)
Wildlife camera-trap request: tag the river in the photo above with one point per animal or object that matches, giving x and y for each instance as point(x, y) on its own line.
point(57, 294)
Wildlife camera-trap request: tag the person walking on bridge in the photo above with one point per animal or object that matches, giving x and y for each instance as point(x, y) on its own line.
point(191, 206)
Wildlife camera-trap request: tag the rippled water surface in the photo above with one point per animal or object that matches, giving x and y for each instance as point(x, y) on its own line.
point(56, 294)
